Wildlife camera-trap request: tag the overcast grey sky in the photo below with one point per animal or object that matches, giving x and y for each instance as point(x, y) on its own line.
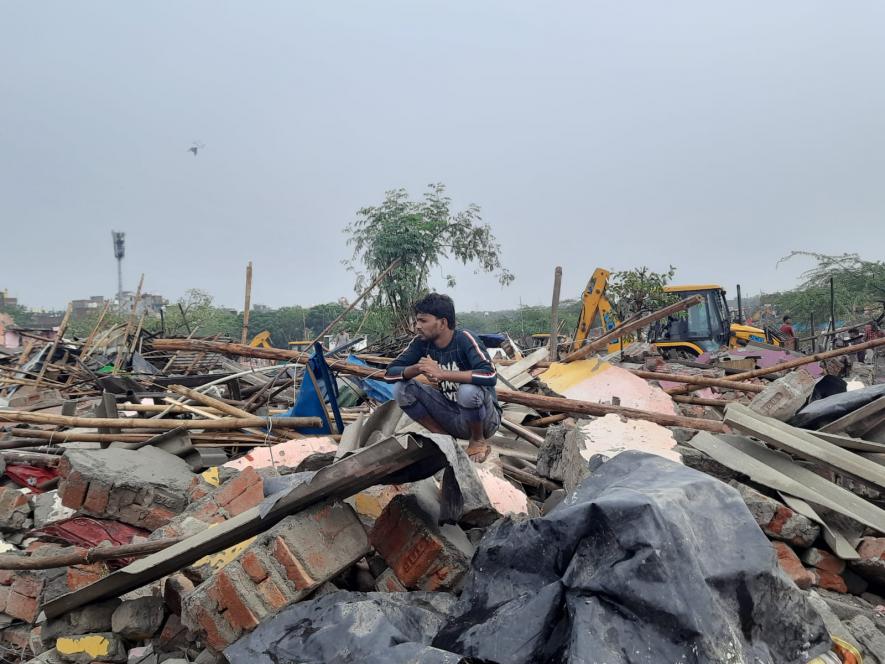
point(716, 136)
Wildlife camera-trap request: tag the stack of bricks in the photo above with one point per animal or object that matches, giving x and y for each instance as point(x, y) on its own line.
point(280, 566)
point(421, 554)
point(144, 488)
point(208, 507)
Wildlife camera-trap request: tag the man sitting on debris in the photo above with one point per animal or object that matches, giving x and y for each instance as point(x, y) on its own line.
point(460, 399)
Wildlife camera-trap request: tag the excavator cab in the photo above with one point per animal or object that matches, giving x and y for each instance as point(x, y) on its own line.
point(704, 327)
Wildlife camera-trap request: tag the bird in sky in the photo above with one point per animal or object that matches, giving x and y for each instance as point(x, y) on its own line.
point(196, 147)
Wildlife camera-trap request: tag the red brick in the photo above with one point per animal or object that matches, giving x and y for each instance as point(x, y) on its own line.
point(253, 566)
point(872, 548)
point(6, 576)
point(97, 498)
point(250, 498)
point(171, 629)
point(828, 581)
point(219, 633)
point(295, 571)
point(790, 563)
point(272, 595)
point(823, 560)
point(237, 614)
point(72, 488)
point(27, 584)
point(236, 486)
point(83, 575)
point(22, 607)
point(18, 636)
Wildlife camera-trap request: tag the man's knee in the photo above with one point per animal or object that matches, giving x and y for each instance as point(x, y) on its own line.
point(470, 396)
point(403, 393)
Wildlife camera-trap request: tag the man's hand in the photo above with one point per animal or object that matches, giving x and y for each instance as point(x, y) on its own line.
point(430, 368)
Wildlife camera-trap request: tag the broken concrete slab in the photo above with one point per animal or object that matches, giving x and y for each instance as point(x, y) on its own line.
point(48, 509)
point(144, 488)
point(834, 625)
point(288, 454)
point(598, 381)
point(85, 620)
point(15, 509)
point(777, 520)
point(782, 398)
point(138, 619)
point(870, 638)
point(612, 434)
point(560, 457)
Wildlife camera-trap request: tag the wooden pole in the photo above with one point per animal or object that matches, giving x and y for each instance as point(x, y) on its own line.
point(121, 356)
point(80, 556)
point(142, 423)
point(61, 330)
point(699, 401)
point(211, 402)
point(698, 380)
point(83, 437)
point(553, 342)
point(378, 280)
point(563, 405)
point(522, 432)
point(245, 336)
point(627, 328)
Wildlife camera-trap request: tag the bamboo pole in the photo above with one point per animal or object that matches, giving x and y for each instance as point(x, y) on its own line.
point(226, 423)
point(61, 330)
point(627, 328)
point(85, 437)
point(563, 405)
point(209, 402)
point(245, 335)
point(724, 383)
point(81, 556)
point(522, 432)
point(799, 361)
point(700, 401)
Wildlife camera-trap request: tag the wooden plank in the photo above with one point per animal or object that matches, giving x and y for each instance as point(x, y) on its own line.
point(856, 417)
point(246, 305)
point(517, 374)
point(804, 444)
point(779, 472)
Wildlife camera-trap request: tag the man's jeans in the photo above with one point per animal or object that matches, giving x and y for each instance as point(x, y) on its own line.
point(475, 404)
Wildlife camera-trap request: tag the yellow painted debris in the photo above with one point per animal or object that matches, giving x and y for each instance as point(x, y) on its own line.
point(93, 645)
point(222, 558)
point(211, 476)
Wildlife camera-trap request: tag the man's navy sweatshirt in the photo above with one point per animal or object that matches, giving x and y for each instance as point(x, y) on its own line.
point(464, 353)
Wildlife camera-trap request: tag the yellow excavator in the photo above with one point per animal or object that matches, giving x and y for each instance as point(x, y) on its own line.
point(703, 327)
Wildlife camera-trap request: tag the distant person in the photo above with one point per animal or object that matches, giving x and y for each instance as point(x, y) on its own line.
point(789, 334)
point(460, 398)
point(340, 339)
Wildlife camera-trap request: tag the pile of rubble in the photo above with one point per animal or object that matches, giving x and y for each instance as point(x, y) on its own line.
point(170, 500)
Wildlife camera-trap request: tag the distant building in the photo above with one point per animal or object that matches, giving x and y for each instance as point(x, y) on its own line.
point(6, 301)
point(83, 308)
point(149, 303)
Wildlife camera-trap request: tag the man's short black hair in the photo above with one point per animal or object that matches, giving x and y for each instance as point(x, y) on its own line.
point(786, 318)
point(437, 305)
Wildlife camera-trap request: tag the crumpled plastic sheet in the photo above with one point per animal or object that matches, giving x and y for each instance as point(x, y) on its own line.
point(647, 562)
point(822, 412)
point(351, 627)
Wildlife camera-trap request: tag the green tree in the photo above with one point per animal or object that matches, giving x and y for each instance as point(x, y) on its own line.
point(858, 286)
point(421, 234)
point(639, 290)
point(18, 313)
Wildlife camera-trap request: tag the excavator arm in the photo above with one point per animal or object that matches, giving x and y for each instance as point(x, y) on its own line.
point(596, 310)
